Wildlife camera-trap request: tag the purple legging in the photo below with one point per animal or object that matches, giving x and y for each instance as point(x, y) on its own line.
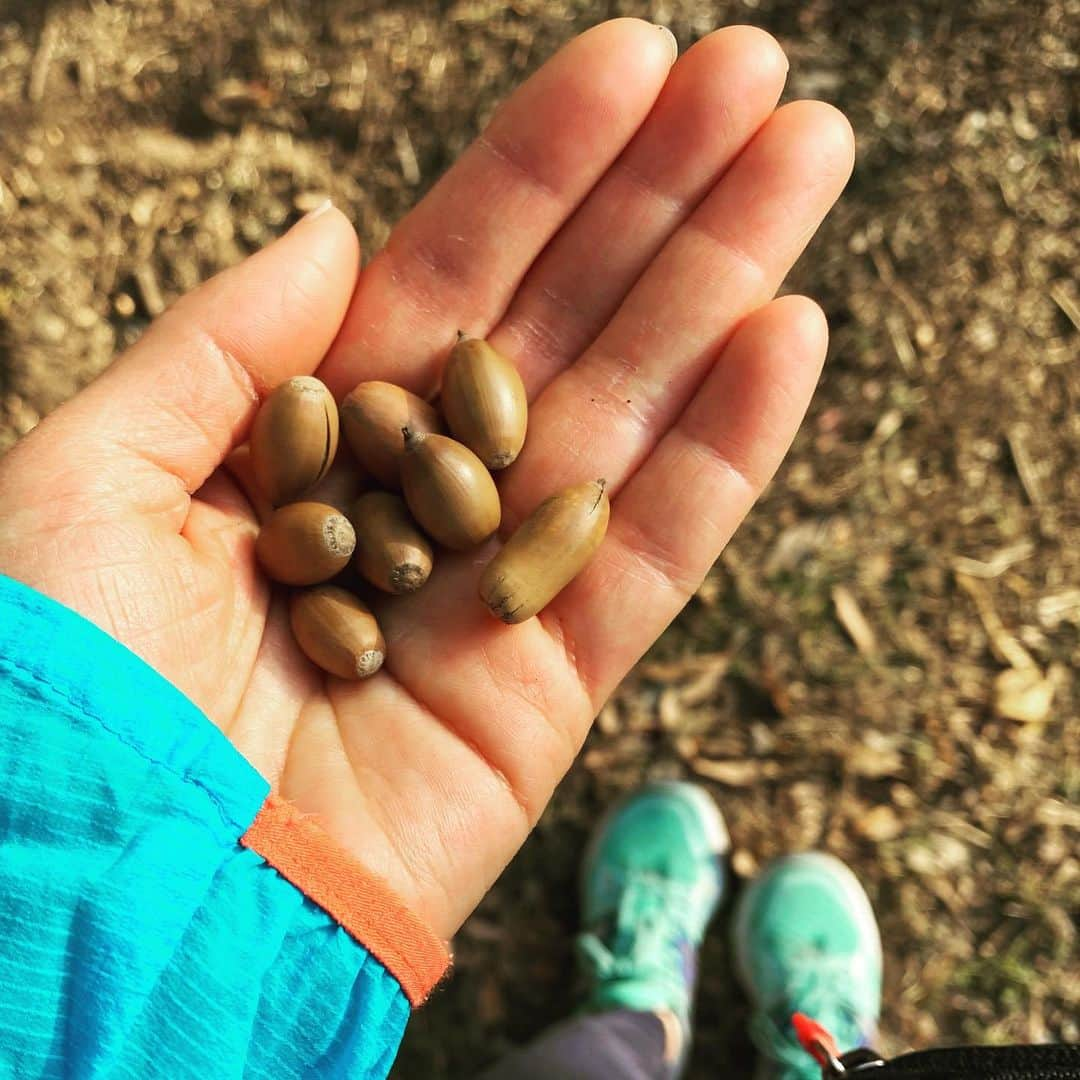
point(618, 1045)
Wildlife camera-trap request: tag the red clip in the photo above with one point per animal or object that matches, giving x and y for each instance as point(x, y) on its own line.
point(815, 1040)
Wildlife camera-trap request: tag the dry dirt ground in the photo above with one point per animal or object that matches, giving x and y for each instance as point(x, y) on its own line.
point(883, 662)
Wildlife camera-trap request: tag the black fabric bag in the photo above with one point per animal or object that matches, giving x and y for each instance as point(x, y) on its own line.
point(1058, 1062)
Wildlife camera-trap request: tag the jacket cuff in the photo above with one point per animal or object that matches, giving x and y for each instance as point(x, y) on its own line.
point(300, 850)
point(158, 903)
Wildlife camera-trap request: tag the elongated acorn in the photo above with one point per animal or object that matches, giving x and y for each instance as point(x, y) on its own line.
point(305, 543)
point(449, 491)
point(483, 400)
point(294, 438)
point(547, 551)
point(337, 632)
point(342, 485)
point(391, 552)
point(373, 416)
point(238, 463)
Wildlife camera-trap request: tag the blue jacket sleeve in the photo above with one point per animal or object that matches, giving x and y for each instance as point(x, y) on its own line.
point(138, 937)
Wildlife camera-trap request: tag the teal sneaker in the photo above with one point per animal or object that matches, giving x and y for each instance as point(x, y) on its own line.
point(806, 941)
point(653, 876)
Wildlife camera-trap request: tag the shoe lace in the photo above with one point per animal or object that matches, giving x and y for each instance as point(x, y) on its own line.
point(642, 940)
point(819, 985)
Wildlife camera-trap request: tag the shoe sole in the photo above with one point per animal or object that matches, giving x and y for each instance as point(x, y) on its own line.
point(850, 885)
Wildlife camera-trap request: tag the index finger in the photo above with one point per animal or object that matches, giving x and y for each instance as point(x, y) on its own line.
point(460, 255)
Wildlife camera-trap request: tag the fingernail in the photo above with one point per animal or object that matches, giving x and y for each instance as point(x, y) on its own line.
point(311, 215)
point(673, 45)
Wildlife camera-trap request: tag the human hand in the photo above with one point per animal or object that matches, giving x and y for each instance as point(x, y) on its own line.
point(618, 231)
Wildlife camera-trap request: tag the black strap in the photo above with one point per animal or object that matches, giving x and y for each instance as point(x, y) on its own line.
point(1059, 1062)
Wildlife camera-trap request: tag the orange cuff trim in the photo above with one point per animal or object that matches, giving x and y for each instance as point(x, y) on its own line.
point(302, 851)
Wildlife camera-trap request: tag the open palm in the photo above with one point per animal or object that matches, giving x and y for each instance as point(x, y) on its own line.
point(619, 231)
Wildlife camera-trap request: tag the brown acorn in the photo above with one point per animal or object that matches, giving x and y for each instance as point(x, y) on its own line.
point(373, 417)
point(342, 485)
point(547, 551)
point(305, 543)
point(483, 400)
point(391, 552)
point(449, 491)
point(337, 632)
point(294, 438)
point(240, 468)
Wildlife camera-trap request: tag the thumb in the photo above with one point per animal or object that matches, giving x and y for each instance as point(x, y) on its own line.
point(172, 407)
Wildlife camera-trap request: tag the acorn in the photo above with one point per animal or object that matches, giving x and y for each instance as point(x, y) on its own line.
point(342, 485)
point(239, 466)
point(294, 438)
point(373, 416)
point(449, 491)
point(391, 552)
point(483, 400)
point(337, 632)
point(547, 551)
point(305, 543)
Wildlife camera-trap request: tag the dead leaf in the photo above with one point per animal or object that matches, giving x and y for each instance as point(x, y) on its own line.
point(1005, 644)
point(687, 746)
point(684, 667)
point(735, 773)
point(997, 564)
point(795, 545)
point(879, 823)
point(607, 721)
point(670, 709)
point(1023, 694)
point(875, 757)
point(1058, 608)
point(853, 621)
point(743, 863)
point(704, 686)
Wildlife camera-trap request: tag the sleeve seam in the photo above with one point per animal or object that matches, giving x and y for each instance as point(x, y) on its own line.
point(235, 829)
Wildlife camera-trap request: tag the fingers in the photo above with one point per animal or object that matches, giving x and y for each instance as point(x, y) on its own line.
point(462, 252)
point(603, 416)
point(674, 517)
point(505, 755)
point(717, 96)
point(160, 420)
